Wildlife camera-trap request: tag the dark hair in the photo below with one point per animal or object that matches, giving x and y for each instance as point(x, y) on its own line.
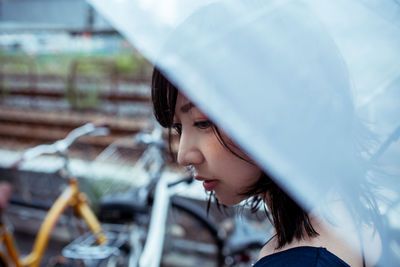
point(289, 219)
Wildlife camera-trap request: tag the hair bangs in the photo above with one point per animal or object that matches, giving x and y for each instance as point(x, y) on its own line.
point(164, 95)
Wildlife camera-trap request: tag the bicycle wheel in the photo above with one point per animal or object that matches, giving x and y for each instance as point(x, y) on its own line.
point(191, 236)
point(3, 262)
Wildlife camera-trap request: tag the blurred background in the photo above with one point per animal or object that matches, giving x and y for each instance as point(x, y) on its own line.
point(61, 66)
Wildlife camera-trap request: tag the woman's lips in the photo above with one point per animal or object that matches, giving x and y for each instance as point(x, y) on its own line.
point(208, 184)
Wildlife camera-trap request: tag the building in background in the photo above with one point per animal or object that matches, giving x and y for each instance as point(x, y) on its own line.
point(69, 15)
point(43, 26)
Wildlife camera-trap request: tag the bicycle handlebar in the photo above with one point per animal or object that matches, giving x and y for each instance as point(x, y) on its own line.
point(62, 145)
point(154, 138)
point(187, 180)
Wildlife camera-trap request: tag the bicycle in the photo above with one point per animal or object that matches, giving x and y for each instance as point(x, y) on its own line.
point(147, 210)
point(70, 197)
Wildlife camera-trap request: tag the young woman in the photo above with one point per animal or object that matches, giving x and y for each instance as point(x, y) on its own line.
point(301, 237)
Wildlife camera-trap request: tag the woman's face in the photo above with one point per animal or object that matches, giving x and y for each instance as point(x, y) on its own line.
point(217, 167)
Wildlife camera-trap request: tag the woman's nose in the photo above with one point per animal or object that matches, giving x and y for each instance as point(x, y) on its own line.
point(189, 152)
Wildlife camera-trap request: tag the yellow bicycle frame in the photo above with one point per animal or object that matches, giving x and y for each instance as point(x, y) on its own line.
point(72, 197)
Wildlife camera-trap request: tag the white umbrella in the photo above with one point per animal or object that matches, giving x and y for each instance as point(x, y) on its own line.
point(289, 80)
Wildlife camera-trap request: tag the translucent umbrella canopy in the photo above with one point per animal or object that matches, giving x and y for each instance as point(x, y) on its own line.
point(309, 88)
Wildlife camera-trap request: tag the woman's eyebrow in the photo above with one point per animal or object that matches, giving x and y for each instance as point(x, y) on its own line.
point(185, 108)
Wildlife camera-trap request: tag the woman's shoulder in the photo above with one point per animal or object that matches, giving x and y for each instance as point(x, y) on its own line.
point(301, 256)
point(327, 245)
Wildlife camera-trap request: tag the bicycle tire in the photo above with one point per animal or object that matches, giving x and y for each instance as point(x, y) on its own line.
point(199, 226)
point(3, 262)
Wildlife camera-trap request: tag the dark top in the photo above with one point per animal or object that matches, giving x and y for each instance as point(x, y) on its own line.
point(301, 256)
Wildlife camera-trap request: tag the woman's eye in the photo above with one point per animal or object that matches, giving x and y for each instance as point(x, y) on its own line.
point(202, 124)
point(177, 128)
